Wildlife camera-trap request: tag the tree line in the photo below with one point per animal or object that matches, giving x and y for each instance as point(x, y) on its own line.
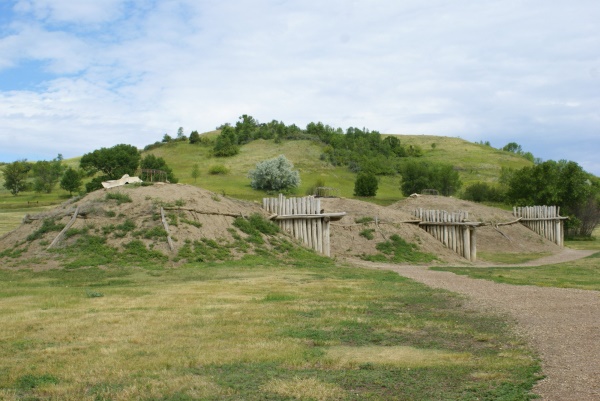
point(102, 164)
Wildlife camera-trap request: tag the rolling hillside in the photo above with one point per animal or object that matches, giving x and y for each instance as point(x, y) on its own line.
point(473, 161)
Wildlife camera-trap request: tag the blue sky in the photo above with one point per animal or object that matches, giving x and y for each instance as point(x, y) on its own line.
point(79, 75)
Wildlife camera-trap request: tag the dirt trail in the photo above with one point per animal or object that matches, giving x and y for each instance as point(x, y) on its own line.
point(562, 324)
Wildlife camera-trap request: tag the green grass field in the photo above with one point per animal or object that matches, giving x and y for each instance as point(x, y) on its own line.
point(474, 162)
point(254, 329)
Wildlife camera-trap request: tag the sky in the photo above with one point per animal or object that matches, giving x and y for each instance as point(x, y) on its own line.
point(79, 75)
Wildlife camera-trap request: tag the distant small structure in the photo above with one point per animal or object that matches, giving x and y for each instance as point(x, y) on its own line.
point(153, 175)
point(126, 179)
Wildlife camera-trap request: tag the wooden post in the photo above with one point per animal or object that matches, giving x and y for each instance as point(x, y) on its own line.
point(473, 245)
point(466, 243)
point(326, 240)
point(166, 226)
point(62, 232)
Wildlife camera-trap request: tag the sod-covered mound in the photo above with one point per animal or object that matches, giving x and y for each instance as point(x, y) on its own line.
point(125, 225)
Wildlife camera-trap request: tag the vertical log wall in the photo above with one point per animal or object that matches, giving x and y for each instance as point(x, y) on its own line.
point(302, 218)
point(451, 229)
point(544, 220)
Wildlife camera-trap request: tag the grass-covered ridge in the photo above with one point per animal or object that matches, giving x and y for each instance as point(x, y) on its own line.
point(299, 328)
point(474, 162)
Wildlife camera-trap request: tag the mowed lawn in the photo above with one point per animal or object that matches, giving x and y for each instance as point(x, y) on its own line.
point(260, 328)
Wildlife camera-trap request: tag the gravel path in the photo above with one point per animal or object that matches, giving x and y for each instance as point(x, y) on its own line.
point(562, 324)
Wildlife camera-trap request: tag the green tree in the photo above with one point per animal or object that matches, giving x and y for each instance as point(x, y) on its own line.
point(276, 174)
point(152, 162)
point(513, 147)
point(417, 176)
point(563, 183)
point(47, 174)
point(194, 137)
point(71, 180)
point(245, 129)
point(180, 135)
point(483, 192)
point(195, 172)
point(113, 162)
point(366, 184)
point(15, 176)
point(226, 143)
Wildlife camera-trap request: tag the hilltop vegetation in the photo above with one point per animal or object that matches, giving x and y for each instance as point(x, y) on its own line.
point(325, 156)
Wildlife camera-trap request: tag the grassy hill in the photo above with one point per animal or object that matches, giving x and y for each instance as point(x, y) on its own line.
point(474, 163)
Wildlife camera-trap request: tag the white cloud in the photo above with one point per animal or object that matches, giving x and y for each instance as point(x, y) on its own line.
point(69, 11)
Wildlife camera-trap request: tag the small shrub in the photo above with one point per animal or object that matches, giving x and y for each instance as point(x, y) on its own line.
point(366, 184)
point(110, 213)
point(218, 169)
point(47, 226)
point(119, 197)
point(154, 232)
point(368, 233)
point(180, 202)
point(274, 175)
point(254, 226)
point(363, 220)
point(191, 223)
point(263, 225)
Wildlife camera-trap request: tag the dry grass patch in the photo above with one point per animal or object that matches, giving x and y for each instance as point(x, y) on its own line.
point(260, 327)
point(306, 389)
point(398, 356)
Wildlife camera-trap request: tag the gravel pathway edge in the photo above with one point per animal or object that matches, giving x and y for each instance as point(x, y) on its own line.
point(562, 324)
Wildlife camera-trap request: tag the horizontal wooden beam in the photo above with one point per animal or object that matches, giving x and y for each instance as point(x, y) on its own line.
point(545, 218)
point(466, 223)
point(331, 216)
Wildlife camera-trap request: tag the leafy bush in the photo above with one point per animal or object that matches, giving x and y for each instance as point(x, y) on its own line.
point(418, 176)
point(218, 169)
point(365, 185)
point(226, 143)
point(254, 226)
point(483, 192)
point(363, 220)
point(274, 175)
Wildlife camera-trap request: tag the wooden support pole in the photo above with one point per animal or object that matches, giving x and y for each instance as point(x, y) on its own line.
point(473, 244)
point(64, 230)
point(326, 239)
point(166, 226)
point(466, 243)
